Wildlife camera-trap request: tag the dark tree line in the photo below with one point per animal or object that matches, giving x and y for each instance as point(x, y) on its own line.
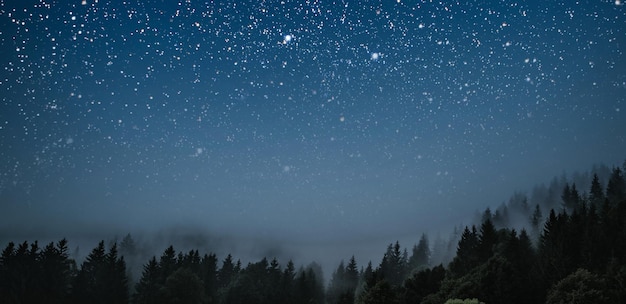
point(578, 256)
point(29, 274)
point(575, 254)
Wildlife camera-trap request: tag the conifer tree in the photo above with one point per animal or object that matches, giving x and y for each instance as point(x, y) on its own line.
point(56, 272)
point(487, 240)
point(467, 256)
point(208, 275)
point(102, 278)
point(420, 257)
point(227, 272)
point(596, 192)
point(148, 287)
point(168, 263)
point(394, 264)
point(535, 222)
point(616, 187)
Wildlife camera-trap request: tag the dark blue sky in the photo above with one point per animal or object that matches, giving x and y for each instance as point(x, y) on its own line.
point(322, 120)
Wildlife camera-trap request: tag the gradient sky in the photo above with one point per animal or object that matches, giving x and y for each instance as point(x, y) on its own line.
point(298, 120)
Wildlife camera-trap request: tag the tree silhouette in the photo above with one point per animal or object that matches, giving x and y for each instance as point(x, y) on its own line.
point(149, 286)
point(596, 192)
point(616, 187)
point(393, 265)
point(420, 257)
point(467, 256)
point(102, 278)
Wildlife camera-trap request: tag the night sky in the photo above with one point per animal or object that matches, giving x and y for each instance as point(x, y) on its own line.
point(299, 121)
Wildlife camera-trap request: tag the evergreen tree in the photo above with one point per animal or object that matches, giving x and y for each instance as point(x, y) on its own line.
point(536, 221)
point(616, 187)
point(554, 261)
point(352, 273)
point(308, 287)
point(487, 239)
point(149, 286)
point(87, 286)
point(286, 285)
point(393, 266)
point(19, 269)
point(208, 276)
point(117, 284)
point(501, 217)
point(128, 246)
point(227, 272)
point(420, 258)
point(168, 263)
point(596, 192)
point(487, 215)
point(366, 275)
point(102, 278)
point(467, 256)
point(344, 283)
point(337, 284)
point(571, 198)
point(518, 204)
point(56, 272)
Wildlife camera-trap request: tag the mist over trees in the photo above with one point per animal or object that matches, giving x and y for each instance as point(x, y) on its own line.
point(558, 246)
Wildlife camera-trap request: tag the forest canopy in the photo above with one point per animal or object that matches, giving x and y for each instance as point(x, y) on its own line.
point(573, 254)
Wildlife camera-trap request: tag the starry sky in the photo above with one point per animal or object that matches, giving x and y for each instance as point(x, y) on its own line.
point(298, 120)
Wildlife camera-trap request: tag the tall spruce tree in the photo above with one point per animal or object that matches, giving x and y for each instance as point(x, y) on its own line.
point(102, 278)
point(149, 285)
point(467, 256)
point(616, 187)
point(596, 192)
point(420, 257)
point(393, 265)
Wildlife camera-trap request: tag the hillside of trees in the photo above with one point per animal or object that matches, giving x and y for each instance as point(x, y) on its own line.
point(572, 251)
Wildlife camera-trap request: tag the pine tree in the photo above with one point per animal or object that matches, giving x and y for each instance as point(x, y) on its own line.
point(501, 217)
point(487, 239)
point(467, 256)
point(226, 273)
point(117, 280)
point(287, 284)
point(420, 257)
point(352, 273)
point(571, 198)
point(18, 272)
point(336, 287)
point(308, 286)
point(596, 192)
point(168, 263)
point(535, 222)
point(208, 275)
point(148, 287)
point(616, 187)
point(56, 272)
point(102, 278)
point(393, 266)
